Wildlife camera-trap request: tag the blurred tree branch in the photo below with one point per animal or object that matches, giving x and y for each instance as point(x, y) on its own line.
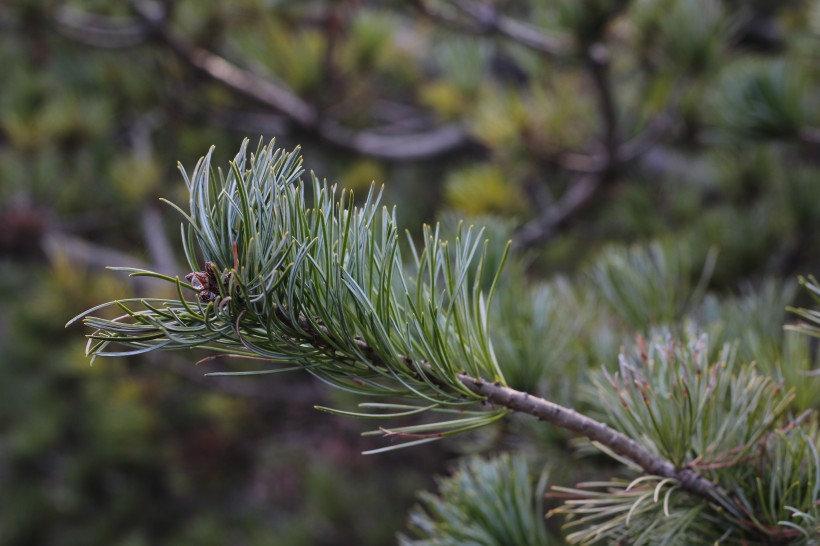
point(99, 30)
point(580, 193)
point(485, 19)
point(396, 141)
point(599, 168)
point(370, 142)
point(810, 135)
point(109, 32)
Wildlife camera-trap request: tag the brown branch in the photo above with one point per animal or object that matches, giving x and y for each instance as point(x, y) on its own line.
point(810, 135)
point(439, 141)
point(581, 193)
point(159, 248)
point(411, 146)
point(598, 169)
point(597, 62)
point(486, 20)
point(226, 73)
point(99, 30)
point(602, 168)
point(571, 420)
point(628, 151)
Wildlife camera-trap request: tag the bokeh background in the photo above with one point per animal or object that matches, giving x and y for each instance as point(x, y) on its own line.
point(567, 126)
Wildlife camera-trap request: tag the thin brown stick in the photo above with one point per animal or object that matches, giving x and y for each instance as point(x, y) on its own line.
point(228, 74)
point(810, 135)
point(373, 143)
point(580, 194)
point(99, 30)
point(584, 190)
point(486, 20)
point(597, 62)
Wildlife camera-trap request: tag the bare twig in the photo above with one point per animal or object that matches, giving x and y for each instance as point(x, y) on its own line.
point(601, 168)
point(486, 20)
point(436, 142)
point(544, 226)
point(228, 74)
point(630, 150)
point(80, 250)
point(597, 61)
point(419, 145)
point(157, 241)
point(99, 30)
point(810, 135)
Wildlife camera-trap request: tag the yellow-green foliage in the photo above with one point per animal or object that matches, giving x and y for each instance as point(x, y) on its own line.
point(370, 44)
point(299, 52)
point(444, 98)
point(135, 176)
point(361, 174)
point(475, 190)
point(558, 114)
point(498, 119)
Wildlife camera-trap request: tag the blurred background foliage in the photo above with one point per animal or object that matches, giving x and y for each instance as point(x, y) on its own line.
point(655, 163)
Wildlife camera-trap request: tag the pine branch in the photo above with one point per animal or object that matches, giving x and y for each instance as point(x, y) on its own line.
point(562, 417)
point(544, 410)
point(252, 315)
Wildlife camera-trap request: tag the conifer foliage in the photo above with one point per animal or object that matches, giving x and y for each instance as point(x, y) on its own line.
point(653, 163)
point(711, 449)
